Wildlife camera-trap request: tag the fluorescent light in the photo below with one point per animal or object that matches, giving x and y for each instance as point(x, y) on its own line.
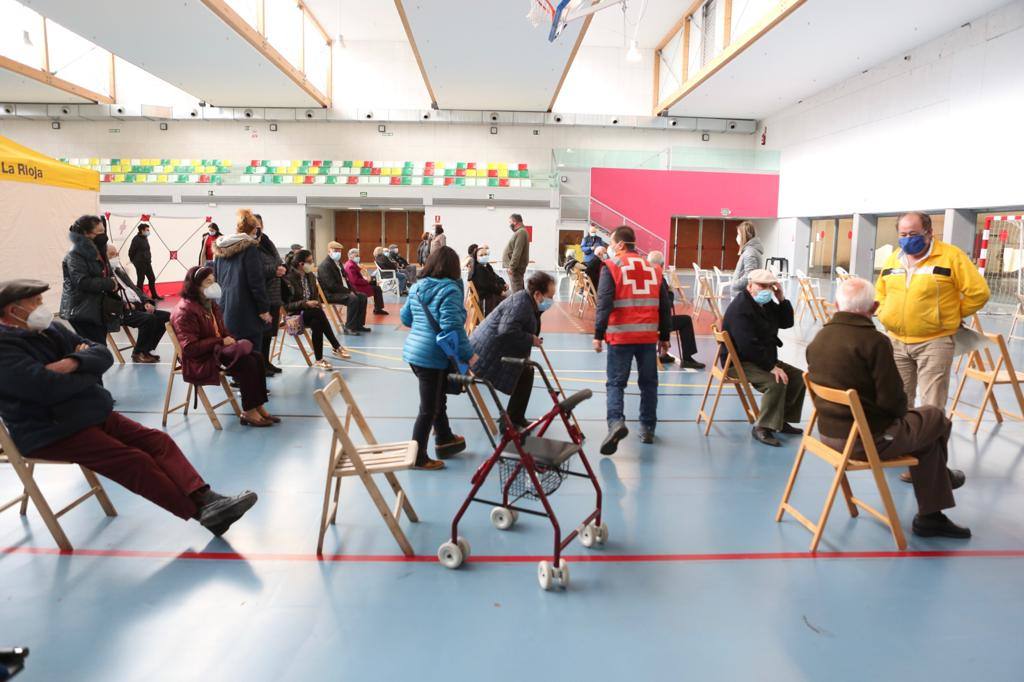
point(633, 53)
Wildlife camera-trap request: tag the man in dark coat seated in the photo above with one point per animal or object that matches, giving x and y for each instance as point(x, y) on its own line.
point(682, 325)
point(848, 353)
point(332, 281)
point(753, 320)
point(512, 330)
point(55, 408)
point(140, 312)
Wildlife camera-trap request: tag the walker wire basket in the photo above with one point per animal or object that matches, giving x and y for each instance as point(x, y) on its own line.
point(511, 468)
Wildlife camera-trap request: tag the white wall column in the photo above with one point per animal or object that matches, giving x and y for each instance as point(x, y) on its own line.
point(959, 228)
point(800, 230)
point(862, 248)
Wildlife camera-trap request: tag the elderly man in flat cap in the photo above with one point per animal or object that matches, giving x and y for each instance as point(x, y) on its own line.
point(53, 405)
point(753, 320)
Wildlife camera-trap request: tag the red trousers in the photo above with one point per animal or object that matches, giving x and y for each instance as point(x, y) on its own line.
point(143, 460)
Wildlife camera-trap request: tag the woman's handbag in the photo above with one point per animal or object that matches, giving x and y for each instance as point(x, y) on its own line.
point(448, 342)
point(293, 325)
point(111, 308)
point(227, 356)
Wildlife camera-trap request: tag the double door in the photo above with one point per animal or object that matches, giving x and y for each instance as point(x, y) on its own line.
point(708, 242)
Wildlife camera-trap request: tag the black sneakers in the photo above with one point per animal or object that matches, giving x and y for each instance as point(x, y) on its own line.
point(616, 432)
point(218, 515)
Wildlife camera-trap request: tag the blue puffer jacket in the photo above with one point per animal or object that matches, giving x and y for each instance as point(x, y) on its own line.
point(443, 298)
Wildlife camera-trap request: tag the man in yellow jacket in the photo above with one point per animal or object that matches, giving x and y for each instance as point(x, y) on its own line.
point(926, 288)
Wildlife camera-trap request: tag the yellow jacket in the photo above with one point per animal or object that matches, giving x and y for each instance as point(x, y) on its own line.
point(945, 288)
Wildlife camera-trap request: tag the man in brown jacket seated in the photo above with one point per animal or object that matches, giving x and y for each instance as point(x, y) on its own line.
point(850, 353)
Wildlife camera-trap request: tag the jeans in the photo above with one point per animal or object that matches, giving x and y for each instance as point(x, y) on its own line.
point(620, 362)
point(403, 280)
point(433, 411)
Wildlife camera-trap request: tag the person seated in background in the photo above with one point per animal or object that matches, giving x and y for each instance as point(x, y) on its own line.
point(570, 262)
point(590, 243)
point(336, 291)
point(512, 331)
point(681, 324)
point(490, 287)
point(302, 299)
point(848, 353)
point(595, 264)
point(403, 265)
point(367, 287)
point(55, 409)
point(139, 312)
point(207, 346)
point(380, 257)
point(753, 320)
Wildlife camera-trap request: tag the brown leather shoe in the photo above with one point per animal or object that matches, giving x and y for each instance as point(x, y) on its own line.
point(430, 465)
point(143, 358)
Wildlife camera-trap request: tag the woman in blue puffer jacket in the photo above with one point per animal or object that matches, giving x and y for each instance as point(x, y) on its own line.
point(439, 288)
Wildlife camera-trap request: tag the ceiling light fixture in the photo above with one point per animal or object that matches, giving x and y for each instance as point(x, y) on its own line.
point(633, 53)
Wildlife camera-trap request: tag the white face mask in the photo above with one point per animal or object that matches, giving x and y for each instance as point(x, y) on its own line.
point(213, 292)
point(39, 319)
point(593, 233)
point(307, 268)
point(115, 263)
point(483, 258)
point(739, 241)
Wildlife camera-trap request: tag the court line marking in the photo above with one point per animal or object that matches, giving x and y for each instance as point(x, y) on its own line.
point(189, 555)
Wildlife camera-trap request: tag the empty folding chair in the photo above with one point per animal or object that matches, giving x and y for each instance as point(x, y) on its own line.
point(200, 391)
point(347, 459)
point(722, 281)
point(1000, 373)
point(842, 463)
point(731, 373)
point(1018, 316)
point(25, 470)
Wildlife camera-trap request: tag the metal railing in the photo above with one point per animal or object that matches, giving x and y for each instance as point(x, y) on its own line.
point(606, 218)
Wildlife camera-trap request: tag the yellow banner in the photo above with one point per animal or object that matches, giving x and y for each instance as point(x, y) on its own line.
point(21, 164)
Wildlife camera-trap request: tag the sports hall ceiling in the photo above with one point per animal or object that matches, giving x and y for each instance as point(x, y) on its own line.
point(820, 44)
point(17, 89)
point(189, 47)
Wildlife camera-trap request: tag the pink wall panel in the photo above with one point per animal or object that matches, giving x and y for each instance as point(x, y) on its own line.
point(652, 197)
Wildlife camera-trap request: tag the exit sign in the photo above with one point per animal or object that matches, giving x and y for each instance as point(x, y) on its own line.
point(362, 194)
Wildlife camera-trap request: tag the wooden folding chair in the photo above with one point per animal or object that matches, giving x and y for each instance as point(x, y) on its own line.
point(278, 344)
point(578, 294)
point(809, 300)
point(474, 313)
point(975, 324)
point(25, 469)
point(737, 379)
point(115, 348)
point(842, 462)
point(336, 314)
point(999, 373)
point(707, 297)
point(348, 459)
point(1018, 315)
point(677, 286)
point(589, 295)
point(200, 391)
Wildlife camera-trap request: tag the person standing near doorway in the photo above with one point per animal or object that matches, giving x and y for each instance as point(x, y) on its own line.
point(517, 253)
point(141, 257)
point(634, 315)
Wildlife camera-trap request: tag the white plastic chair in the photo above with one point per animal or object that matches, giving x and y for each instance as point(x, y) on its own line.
point(387, 280)
point(722, 281)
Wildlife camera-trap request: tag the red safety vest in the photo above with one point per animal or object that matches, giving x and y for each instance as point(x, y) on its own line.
point(634, 316)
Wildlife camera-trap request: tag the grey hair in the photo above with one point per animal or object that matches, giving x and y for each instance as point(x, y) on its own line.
point(656, 258)
point(855, 295)
point(353, 251)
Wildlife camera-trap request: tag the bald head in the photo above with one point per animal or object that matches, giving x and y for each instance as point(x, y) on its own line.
point(856, 296)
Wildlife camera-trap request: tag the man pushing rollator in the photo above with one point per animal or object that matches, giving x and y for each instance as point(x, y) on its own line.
point(634, 315)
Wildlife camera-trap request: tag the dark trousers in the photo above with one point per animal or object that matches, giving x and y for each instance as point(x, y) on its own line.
point(620, 363)
point(250, 374)
point(268, 335)
point(144, 271)
point(355, 309)
point(520, 398)
point(151, 328)
point(378, 299)
point(143, 460)
point(781, 403)
point(922, 432)
point(682, 325)
point(433, 413)
point(515, 280)
point(91, 330)
point(316, 320)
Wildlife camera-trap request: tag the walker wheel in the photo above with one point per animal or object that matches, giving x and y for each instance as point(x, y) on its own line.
point(563, 573)
point(588, 536)
point(450, 555)
point(545, 575)
point(602, 533)
point(463, 544)
point(503, 518)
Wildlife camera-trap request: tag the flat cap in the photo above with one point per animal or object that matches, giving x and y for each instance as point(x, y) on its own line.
point(19, 289)
point(762, 277)
point(336, 245)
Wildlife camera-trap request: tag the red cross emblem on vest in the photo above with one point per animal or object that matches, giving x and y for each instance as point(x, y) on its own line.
point(639, 277)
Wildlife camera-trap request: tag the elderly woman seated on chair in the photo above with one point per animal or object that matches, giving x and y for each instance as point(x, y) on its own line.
point(207, 347)
point(53, 405)
point(302, 298)
point(490, 287)
point(848, 353)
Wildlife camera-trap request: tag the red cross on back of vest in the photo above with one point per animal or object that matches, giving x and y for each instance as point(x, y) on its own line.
point(634, 316)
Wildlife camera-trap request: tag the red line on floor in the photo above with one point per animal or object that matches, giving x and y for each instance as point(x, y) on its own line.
point(510, 559)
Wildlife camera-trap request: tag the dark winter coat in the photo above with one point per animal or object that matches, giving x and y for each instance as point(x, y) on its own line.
point(271, 261)
point(296, 296)
point(443, 298)
point(199, 339)
point(86, 281)
point(40, 407)
point(506, 332)
point(239, 270)
point(332, 281)
point(589, 243)
point(754, 329)
point(139, 252)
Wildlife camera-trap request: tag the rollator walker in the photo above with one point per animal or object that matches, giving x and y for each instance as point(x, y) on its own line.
point(531, 467)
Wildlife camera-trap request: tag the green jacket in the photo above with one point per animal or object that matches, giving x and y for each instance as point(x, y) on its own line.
point(517, 252)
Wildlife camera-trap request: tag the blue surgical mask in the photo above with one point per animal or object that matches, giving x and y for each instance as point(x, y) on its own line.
point(763, 297)
point(913, 245)
point(355, 259)
point(544, 304)
point(335, 256)
point(485, 258)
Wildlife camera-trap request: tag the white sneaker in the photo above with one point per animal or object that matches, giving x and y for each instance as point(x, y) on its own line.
point(323, 364)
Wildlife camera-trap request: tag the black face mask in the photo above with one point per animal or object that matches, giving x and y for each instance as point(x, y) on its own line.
point(100, 241)
point(512, 226)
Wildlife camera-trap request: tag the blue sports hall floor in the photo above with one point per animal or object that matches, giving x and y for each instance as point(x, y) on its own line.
point(697, 580)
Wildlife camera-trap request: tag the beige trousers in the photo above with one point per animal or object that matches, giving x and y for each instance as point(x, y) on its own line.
point(925, 365)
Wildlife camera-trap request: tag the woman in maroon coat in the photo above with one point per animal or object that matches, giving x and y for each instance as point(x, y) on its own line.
point(207, 347)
